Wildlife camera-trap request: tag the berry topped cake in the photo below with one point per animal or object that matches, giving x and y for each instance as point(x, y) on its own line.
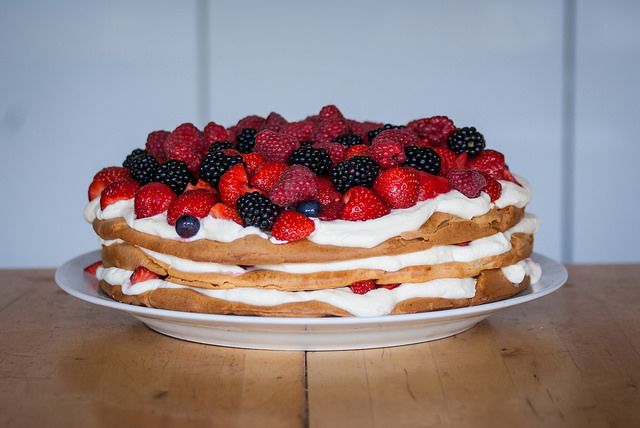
point(325, 216)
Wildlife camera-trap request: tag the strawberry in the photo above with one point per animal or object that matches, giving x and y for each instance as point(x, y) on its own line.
point(106, 176)
point(274, 146)
point(387, 153)
point(362, 204)
point(509, 177)
point(494, 188)
point(301, 131)
point(332, 211)
point(431, 186)
point(327, 193)
point(469, 182)
point(253, 161)
point(118, 191)
point(335, 150)
point(155, 145)
point(152, 199)
point(92, 269)
point(297, 184)
point(214, 133)
point(389, 286)
point(402, 136)
point(363, 287)
point(357, 150)
point(449, 159)
point(489, 162)
point(436, 129)
point(142, 274)
point(196, 203)
point(292, 226)
point(268, 175)
point(225, 212)
point(274, 122)
point(330, 112)
point(398, 187)
point(233, 184)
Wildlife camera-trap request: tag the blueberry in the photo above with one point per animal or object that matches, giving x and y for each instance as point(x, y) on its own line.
point(309, 208)
point(187, 226)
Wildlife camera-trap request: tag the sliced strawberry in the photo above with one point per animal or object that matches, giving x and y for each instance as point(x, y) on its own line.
point(93, 267)
point(196, 203)
point(363, 287)
point(292, 226)
point(449, 159)
point(268, 175)
point(233, 184)
point(431, 186)
point(494, 188)
point(362, 204)
point(398, 187)
point(489, 162)
point(253, 161)
point(106, 176)
point(118, 191)
point(152, 199)
point(225, 212)
point(327, 193)
point(142, 274)
point(389, 286)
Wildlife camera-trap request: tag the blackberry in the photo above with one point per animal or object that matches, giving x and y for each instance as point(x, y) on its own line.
point(373, 134)
point(348, 140)
point(246, 140)
point(257, 210)
point(422, 158)
point(142, 168)
point(317, 160)
point(357, 171)
point(219, 146)
point(216, 163)
point(135, 153)
point(466, 139)
point(175, 174)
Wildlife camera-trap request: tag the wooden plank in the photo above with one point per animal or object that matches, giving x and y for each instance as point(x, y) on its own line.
point(66, 363)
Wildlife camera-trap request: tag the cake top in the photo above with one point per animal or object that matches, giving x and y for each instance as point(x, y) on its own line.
point(278, 175)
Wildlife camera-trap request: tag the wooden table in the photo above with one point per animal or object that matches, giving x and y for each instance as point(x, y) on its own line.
point(569, 359)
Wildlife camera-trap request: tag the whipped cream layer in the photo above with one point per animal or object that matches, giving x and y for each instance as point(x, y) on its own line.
point(361, 234)
point(493, 245)
point(374, 303)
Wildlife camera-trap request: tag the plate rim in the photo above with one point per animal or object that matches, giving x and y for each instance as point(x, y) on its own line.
point(75, 265)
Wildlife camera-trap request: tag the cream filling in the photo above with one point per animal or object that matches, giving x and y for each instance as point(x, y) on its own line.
point(361, 234)
point(489, 246)
point(374, 303)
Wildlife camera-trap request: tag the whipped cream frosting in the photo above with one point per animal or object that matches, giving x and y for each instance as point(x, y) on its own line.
point(361, 234)
point(374, 303)
point(493, 245)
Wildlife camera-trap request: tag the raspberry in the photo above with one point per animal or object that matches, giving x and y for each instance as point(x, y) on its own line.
point(361, 129)
point(274, 146)
point(493, 188)
point(357, 171)
point(397, 187)
point(186, 143)
point(253, 121)
point(196, 203)
point(363, 287)
point(330, 112)
point(257, 210)
point(423, 158)
point(402, 136)
point(357, 150)
point(449, 159)
point(301, 131)
point(215, 164)
point(374, 132)
point(469, 182)
point(327, 193)
point(490, 162)
point(362, 204)
point(292, 226)
point(387, 153)
point(274, 122)
point(468, 140)
point(268, 175)
point(317, 160)
point(329, 129)
point(297, 184)
point(174, 174)
point(431, 186)
point(214, 133)
point(118, 191)
point(153, 199)
point(331, 212)
point(335, 150)
point(155, 145)
point(436, 129)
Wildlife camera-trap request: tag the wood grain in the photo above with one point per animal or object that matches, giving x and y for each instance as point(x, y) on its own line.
point(570, 359)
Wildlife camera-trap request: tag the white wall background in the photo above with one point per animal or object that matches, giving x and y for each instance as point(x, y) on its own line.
point(82, 83)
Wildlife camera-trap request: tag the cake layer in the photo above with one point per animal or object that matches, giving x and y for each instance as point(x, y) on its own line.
point(440, 229)
point(488, 286)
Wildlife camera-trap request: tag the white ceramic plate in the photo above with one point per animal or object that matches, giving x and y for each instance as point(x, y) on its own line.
point(312, 334)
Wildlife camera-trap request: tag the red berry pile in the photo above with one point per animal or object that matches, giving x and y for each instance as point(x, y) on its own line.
point(276, 175)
